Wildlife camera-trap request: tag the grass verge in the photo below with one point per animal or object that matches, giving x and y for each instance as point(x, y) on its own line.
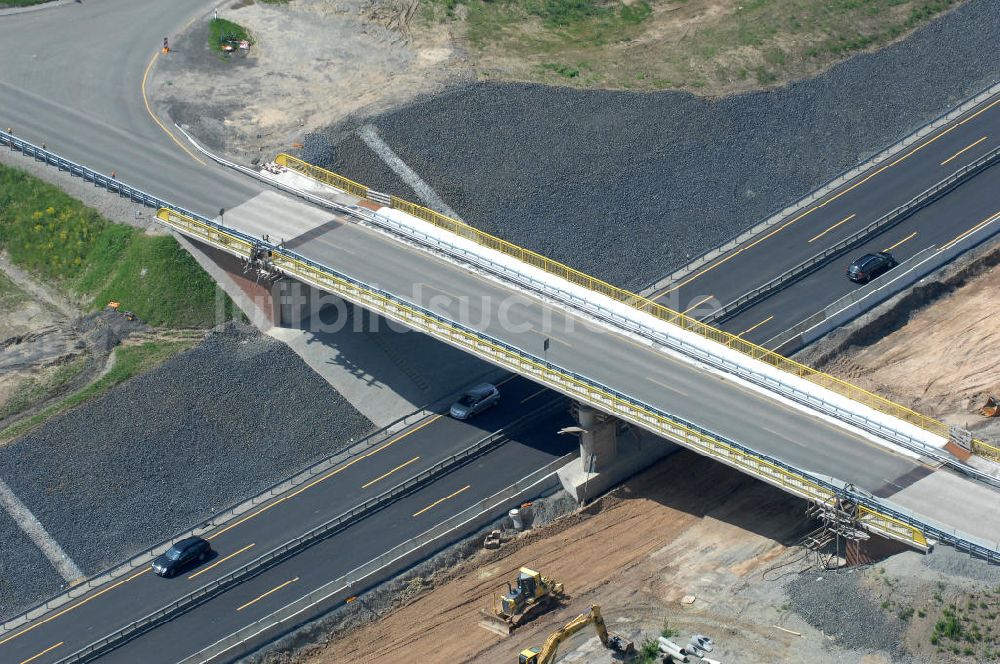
point(129, 361)
point(72, 247)
point(222, 32)
point(708, 46)
point(6, 4)
point(37, 389)
point(10, 294)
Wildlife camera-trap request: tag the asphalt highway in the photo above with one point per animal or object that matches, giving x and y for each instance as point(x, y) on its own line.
point(935, 226)
point(75, 84)
point(839, 214)
point(315, 502)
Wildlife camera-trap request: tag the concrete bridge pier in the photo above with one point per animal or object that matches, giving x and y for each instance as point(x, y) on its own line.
point(290, 301)
point(611, 451)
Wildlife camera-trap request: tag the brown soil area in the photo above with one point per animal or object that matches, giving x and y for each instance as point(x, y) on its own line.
point(709, 47)
point(689, 526)
point(344, 57)
point(941, 361)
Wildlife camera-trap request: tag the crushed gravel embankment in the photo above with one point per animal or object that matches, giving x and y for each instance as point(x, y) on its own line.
point(628, 186)
point(24, 570)
point(166, 450)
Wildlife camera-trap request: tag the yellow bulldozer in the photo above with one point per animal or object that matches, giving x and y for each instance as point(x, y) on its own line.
point(533, 593)
point(621, 647)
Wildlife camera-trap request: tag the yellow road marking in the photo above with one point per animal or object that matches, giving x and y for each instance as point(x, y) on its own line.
point(982, 110)
point(149, 110)
point(222, 560)
point(698, 303)
point(754, 327)
point(382, 477)
point(967, 147)
point(68, 609)
point(441, 500)
point(324, 478)
point(949, 245)
point(532, 396)
point(49, 649)
point(908, 237)
point(842, 221)
point(272, 590)
point(826, 202)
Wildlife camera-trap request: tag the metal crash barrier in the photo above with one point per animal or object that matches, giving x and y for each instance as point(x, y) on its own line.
point(574, 385)
point(640, 303)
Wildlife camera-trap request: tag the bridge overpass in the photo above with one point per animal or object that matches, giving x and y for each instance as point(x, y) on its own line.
point(613, 364)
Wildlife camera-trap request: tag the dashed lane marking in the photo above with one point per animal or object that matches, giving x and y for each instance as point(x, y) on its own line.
point(75, 606)
point(441, 500)
point(754, 327)
point(272, 590)
point(385, 475)
point(47, 650)
point(222, 560)
point(965, 149)
point(908, 237)
point(333, 472)
point(824, 203)
point(698, 303)
point(842, 221)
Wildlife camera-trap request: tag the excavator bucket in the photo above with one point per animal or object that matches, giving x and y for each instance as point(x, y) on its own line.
point(620, 646)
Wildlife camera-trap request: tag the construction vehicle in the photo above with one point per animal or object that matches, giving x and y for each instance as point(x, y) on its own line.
point(533, 593)
point(991, 408)
point(621, 647)
point(116, 306)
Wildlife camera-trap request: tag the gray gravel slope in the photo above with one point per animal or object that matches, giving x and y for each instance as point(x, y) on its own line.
point(26, 576)
point(166, 450)
point(628, 186)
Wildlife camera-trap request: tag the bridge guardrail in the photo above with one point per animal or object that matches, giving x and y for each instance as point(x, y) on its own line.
point(361, 578)
point(297, 544)
point(879, 518)
point(836, 385)
point(563, 380)
point(883, 223)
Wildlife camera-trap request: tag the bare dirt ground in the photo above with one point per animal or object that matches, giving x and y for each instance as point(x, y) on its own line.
point(36, 338)
point(690, 527)
point(312, 64)
point(50, 348)
point(687, 527)
point(940, 362)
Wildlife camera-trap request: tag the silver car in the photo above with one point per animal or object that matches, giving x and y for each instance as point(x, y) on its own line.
point(475, 401)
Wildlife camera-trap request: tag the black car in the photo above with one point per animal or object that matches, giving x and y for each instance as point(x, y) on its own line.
point(870, 266)
point(180, 555)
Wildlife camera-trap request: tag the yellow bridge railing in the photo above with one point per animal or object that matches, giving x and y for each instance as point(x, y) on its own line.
point(641, 303)
point(560, 380)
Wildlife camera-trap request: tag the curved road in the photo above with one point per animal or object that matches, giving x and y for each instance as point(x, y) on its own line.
point(93, 114)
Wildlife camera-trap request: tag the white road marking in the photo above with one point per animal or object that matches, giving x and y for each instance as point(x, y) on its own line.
point(669, 387)
point(369, 134)
point(33, 529)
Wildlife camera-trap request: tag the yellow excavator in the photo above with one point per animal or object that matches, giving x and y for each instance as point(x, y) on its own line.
point(619, 645)
point(533, 592)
